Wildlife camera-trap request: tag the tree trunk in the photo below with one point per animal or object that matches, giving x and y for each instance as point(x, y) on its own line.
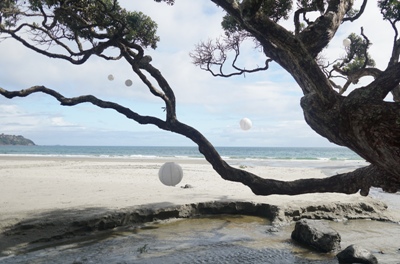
point(371, 128)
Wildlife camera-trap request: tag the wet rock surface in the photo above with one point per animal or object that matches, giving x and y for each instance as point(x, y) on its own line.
point(356, 254)
point(316, 234)
point(230, 239)
point(60, 225)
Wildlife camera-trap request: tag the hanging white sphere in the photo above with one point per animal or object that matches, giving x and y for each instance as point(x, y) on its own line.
point(245, 123)
point(128, 82)
point(346, 42)
point(110, 77)
point(170, 174)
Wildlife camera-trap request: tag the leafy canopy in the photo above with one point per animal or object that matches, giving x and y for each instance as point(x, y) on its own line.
point(86, 19)
point(357, 56)
point(275, 10)
point(390, 9)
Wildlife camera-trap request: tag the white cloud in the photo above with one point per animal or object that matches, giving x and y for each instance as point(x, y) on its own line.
point(6, 110)
point(60, 122)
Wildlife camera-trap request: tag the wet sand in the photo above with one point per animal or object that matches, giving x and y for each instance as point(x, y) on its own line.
point(34, 186)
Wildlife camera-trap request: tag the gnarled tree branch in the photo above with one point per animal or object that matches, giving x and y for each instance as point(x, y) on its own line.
point(85, 99)
point(359, 13)
point(208, 55)
point(360, 179)
point(317, 36)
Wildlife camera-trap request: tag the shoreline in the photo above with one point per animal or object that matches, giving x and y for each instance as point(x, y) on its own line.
point(252, 162)
point(53, 196)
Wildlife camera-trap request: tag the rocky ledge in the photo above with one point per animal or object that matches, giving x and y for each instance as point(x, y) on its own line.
point(60, 225)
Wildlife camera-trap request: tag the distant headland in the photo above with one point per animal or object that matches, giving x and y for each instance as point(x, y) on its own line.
point(15, 140)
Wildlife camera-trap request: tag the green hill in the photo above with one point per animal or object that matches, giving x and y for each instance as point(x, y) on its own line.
point(15, 140)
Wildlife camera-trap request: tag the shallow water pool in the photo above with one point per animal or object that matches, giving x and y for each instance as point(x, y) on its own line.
point(213, 239)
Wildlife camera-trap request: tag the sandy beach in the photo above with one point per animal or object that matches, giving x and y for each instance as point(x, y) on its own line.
point(34, 186)
point(31, 185)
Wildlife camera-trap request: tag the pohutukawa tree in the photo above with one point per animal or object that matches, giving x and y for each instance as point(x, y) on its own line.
point(362, 121)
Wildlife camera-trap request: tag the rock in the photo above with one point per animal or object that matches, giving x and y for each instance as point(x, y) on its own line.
point(273, 229)
point(356, 254)
point(187, 186)
point(316, 234)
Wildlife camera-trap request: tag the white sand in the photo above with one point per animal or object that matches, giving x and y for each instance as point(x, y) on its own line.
point(30, 185)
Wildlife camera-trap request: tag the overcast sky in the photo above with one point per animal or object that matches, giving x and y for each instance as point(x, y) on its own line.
point(212, 105)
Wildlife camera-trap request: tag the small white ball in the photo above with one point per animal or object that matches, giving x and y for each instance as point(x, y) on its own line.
point(346, 42)
point(170, 174)
point(128, 82)
point(245, 123)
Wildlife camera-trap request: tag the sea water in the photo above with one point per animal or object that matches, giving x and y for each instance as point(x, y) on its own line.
point(229, 153)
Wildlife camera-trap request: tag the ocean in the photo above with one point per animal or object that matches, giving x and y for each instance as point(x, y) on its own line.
point(228, 153)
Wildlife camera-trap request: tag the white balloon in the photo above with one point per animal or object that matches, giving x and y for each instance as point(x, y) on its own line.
point(346, 42)
point(128, 82)
point(110, 77)
point(170, 174)
point(245, 123)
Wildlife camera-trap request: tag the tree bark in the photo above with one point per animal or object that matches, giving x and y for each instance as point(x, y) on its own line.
point(362, 121)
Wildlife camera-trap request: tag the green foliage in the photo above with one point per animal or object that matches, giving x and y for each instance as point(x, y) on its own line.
point(91, 19)
point(275, 10)
point(357, 56)
point(169, 2)
point(142, 29)
point(9, 4)
point(352, 12)
point(312, 4)
point(8, 13)
point(390, 9)
point(230, 25)
point(106, 14)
